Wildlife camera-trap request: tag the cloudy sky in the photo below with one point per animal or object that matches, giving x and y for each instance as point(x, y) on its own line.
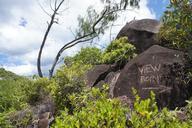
point(23, 23)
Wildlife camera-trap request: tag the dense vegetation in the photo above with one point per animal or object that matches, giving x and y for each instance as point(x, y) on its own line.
point(118, 50)
point(78, 106)
point(176, 30)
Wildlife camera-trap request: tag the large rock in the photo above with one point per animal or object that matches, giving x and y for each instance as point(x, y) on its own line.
point(151, 71)
point(141, 33)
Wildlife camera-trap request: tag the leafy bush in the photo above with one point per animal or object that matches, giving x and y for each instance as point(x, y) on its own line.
point(88, 55)
point(70, 77)
point(176, 32)
point(145, 114)
point(118, 50)
point(177, 25)
point(4, 121)
point(16, 95)
point(92, 108)
point(12, 95)
point(40, 88)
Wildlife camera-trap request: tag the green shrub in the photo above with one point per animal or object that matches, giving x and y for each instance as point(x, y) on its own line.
point(118, 50)
point(177, 26)
point(93, 109)
point(176, 32)
point(13, 91)
point(70, 77)
point(40, 88)
point(12, 95)
point(4, 120)
point(145, 114)
point(88, 55)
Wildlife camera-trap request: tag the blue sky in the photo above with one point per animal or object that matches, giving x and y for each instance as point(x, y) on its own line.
point(158, 6)
point(22, 25)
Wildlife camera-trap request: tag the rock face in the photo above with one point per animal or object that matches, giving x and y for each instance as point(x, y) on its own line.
point(151, 71)
point(156, 69)
point(141, 33)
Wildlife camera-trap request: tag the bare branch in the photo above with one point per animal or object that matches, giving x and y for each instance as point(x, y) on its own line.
point(43, 8)
point(72, 32)
point(60, 12)
point(59, 61)
point(67, 46)
point(79, 39)
point(50, 5)
point(102, 16)
point(55, 5)
point(57, 8)
point(50, 24)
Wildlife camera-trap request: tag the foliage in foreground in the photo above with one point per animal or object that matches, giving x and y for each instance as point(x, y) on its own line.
point(145, 114)
point(94, 109)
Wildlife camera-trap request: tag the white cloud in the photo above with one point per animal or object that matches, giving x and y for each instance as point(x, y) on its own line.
point(22, 43)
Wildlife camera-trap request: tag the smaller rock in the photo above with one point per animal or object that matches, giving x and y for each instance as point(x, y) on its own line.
point(182, 115)
point(44, 120)
point(43, 123)
point(111, 80)
point(97, 74)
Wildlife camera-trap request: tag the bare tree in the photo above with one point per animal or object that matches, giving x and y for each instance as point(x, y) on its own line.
point(90, 27)
point(53, 20)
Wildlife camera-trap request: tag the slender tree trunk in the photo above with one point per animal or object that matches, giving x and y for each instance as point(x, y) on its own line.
point(68, 45)
point(55, 12)
point(43, 44)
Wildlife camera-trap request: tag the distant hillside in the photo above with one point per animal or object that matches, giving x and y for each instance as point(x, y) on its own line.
point(5, 75)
